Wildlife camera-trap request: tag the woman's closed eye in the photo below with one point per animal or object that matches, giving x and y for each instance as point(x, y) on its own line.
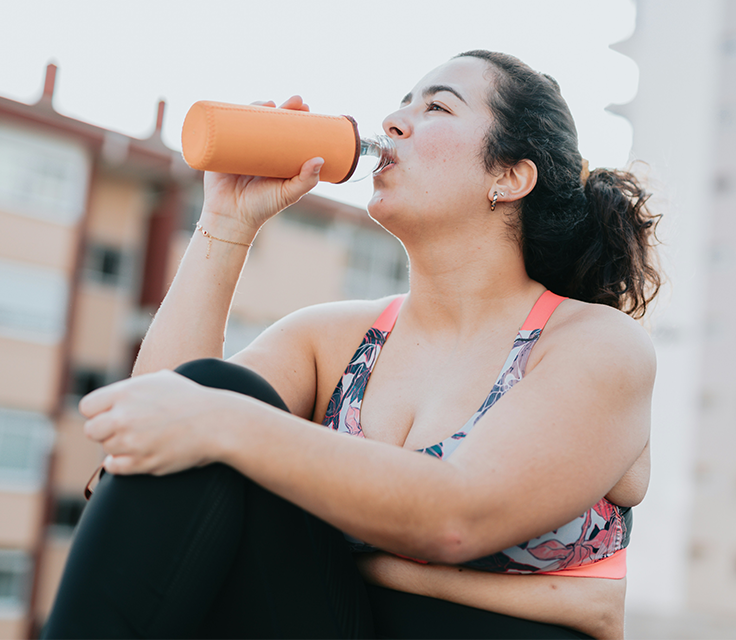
point(433, 106)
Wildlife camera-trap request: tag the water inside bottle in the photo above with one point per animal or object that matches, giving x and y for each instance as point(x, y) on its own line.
point(376, 153)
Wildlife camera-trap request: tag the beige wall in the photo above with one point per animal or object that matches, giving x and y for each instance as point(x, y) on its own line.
point(12, 628)
point(291, 266)
point(116, 211)
point(21, 519)
point(36, 241)
point(54, 558)
point(98, 334)
point(32, 379)
point(76, 456)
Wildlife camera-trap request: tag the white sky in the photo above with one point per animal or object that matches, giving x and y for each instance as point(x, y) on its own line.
point(117, 58)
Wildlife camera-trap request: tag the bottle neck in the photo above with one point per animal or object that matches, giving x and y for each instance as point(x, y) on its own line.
point(381, 147)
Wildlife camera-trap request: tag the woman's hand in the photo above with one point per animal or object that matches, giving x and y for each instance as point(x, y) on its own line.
point(240, 205)
point(157, 423)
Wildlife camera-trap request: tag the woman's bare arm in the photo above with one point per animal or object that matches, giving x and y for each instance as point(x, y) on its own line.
point(192, 319)
point(594, 606)
point(557, 443)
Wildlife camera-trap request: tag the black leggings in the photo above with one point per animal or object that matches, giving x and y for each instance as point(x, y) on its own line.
point(207, 553)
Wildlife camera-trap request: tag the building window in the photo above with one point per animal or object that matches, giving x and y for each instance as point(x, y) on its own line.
point(32, 301)
point(42, 176)
point(105, 265)
point(67, 512)
point(15, 578)
point(729, 46)
point(85, 380)
point(303, 218)
point(377, 267)
point(26, 439)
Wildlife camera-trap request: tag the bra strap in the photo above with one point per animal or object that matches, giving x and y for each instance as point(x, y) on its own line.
point(387, 319)
point(541, 311)
point(539, 315)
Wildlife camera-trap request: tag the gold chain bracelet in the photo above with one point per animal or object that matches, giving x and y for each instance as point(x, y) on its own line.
point(210, 238)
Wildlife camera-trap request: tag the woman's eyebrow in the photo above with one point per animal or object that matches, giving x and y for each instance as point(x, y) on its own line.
point(431, 90)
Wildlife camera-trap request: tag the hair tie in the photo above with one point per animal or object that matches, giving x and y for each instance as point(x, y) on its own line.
point(584, 173)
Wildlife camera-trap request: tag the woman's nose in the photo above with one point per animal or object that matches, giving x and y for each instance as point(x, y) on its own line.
point(397, 125)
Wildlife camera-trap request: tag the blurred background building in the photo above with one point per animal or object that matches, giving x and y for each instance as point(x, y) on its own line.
point(93, 223)
point(682, 579)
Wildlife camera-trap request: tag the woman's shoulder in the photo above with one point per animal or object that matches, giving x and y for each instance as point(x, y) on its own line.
point(600, 333)
point(341, 315)
point(334, 328)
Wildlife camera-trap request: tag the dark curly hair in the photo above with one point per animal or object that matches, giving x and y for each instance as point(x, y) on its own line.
point(593, 241)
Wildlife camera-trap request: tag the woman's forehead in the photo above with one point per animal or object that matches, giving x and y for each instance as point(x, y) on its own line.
point(468, 76)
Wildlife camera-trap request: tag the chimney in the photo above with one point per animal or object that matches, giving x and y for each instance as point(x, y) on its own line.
point(49, 84)
point(160, 118)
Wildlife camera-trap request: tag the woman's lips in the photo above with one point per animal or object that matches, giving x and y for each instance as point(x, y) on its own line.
point(385, 168)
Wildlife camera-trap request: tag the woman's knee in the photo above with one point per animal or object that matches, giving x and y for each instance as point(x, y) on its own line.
point(153, 498)
point(219, 374)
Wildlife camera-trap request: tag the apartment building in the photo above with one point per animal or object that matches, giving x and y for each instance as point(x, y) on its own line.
point(93, 224)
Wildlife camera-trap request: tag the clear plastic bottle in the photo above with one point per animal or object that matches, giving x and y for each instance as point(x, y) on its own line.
point(382, 148)
point(265, 141)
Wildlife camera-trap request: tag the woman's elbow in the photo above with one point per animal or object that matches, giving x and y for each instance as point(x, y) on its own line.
point(456, 544)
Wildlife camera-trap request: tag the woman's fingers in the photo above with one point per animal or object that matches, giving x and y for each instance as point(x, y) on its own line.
point(295, 103)
point(301, 184)
point(125, 465)
point(156, 423)
point(101, 427)
point(101, 399)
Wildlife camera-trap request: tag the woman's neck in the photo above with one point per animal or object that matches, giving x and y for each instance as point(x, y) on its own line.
point(461, 284)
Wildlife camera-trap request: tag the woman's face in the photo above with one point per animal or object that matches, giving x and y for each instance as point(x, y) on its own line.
point(439, 132)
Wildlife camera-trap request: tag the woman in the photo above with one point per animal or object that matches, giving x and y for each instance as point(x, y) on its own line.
point(490, 199)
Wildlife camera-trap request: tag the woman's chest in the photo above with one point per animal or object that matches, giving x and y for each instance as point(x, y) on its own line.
point(416, 400)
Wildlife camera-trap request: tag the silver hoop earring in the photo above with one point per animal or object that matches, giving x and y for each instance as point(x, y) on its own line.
point(493, 201)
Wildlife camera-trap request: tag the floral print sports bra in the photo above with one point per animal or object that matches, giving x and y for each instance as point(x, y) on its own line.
point(591, 545)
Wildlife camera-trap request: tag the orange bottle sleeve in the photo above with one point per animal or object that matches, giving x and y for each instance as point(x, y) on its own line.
point(265, 141)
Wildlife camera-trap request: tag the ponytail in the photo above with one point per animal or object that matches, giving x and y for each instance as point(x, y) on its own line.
point(617, 266)
point(593, 241)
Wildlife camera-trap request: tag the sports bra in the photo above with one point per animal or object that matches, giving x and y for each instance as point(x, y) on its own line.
point(592, 545)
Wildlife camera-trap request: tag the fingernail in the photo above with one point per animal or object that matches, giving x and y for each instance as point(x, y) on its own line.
point(318, 166)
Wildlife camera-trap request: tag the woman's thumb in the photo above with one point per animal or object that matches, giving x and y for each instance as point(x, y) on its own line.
point(306, 180)
point(318, 166)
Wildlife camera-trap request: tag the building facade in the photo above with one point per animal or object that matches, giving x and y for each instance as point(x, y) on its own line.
point(93, 225)
point(682, 574)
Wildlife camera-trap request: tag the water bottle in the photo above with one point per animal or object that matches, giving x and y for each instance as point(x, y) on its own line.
point(266, 141)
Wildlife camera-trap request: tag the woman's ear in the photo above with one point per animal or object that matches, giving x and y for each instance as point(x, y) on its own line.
point(515, 182)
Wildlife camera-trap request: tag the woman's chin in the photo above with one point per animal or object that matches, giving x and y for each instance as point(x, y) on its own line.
point(379, 208)
point(375, 203)
point(381, 200)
